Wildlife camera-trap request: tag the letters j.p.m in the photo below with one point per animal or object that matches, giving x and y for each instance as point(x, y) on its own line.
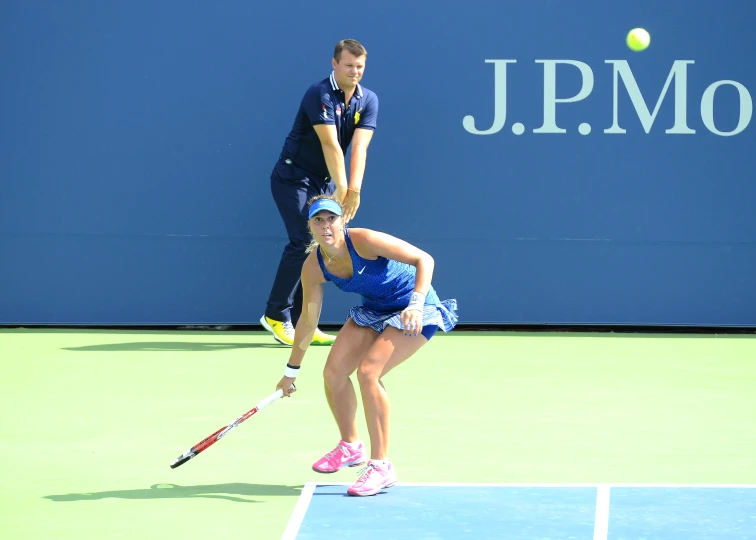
point(678, 76)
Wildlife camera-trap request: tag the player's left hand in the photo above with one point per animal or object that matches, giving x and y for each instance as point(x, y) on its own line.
point(412, 321)
point(350, 204)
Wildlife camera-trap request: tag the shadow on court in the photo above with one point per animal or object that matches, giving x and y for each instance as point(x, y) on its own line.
point(230, 492)
point(171, 346)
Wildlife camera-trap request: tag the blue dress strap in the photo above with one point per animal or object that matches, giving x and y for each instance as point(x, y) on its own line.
point(350, 246)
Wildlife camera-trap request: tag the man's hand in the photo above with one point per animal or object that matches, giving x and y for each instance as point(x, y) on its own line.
point(351, 204)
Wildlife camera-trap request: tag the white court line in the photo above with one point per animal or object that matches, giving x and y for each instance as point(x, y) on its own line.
point(601, 526)
point(295, 521)
point(547, 485)
point(601, 523)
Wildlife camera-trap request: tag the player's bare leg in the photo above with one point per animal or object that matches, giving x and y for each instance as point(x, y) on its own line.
point(352, 342)
point(388, 351)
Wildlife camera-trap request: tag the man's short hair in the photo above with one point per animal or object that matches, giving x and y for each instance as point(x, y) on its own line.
point(353, 46)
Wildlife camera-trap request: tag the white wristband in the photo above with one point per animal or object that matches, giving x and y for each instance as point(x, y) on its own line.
point(417, 301)
point(291, 372)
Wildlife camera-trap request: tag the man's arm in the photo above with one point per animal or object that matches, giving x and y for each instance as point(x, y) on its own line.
point(360, 143)
point(334, 157)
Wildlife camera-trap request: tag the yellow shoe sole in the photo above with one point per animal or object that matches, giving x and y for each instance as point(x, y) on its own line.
point(269, 328)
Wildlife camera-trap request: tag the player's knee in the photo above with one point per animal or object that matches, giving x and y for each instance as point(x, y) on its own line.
point(329, 373)
point(334, 374)
point(368, 373)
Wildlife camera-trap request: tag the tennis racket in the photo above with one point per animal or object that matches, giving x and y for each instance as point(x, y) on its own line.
point(222, 432)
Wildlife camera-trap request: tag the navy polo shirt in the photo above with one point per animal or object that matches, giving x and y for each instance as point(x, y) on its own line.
point(323, 103)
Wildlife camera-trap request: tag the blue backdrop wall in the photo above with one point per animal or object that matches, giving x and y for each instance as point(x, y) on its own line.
point(556, 176)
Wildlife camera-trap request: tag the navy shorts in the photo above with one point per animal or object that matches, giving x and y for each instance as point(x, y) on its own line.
point(429, 331)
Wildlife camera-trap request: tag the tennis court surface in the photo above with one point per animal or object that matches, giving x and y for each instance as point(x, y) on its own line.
point(527, 512)
point(494, 435)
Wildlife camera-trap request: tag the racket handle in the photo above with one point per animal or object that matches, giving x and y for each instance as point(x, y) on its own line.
point(270, 399)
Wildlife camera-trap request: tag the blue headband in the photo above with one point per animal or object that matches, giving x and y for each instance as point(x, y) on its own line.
point(324, 204)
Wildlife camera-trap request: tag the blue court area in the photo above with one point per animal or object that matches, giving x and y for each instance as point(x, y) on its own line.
point(519, 512)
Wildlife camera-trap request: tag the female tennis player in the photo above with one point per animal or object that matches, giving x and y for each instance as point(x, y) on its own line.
point(400, 312)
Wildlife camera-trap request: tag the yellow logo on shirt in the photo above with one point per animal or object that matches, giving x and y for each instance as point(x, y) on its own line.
point(357, 117)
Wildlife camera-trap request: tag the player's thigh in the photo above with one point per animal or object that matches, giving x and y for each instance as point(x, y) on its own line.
point(388, 351)
point(352, 342)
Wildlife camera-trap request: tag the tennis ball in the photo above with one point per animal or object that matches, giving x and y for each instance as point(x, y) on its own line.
point(638, 39)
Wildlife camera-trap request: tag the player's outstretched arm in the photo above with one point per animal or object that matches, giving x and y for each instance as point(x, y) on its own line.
point(312, 302)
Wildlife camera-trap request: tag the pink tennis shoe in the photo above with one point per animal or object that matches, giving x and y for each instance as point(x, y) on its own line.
point(340, 457)
point(373, 479)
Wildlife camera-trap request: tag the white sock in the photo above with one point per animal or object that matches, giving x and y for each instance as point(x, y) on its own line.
point(382, 463)
point(353, 445)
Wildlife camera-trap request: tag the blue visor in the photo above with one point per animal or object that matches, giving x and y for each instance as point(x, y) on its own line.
point(324, 204)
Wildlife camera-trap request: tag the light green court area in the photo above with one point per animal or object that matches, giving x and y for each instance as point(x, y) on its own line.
point(93, 418)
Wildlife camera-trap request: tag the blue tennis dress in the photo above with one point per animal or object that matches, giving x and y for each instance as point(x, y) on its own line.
point(386, 286)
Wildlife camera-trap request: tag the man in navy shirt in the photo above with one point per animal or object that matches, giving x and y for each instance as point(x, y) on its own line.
point(333, 114)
